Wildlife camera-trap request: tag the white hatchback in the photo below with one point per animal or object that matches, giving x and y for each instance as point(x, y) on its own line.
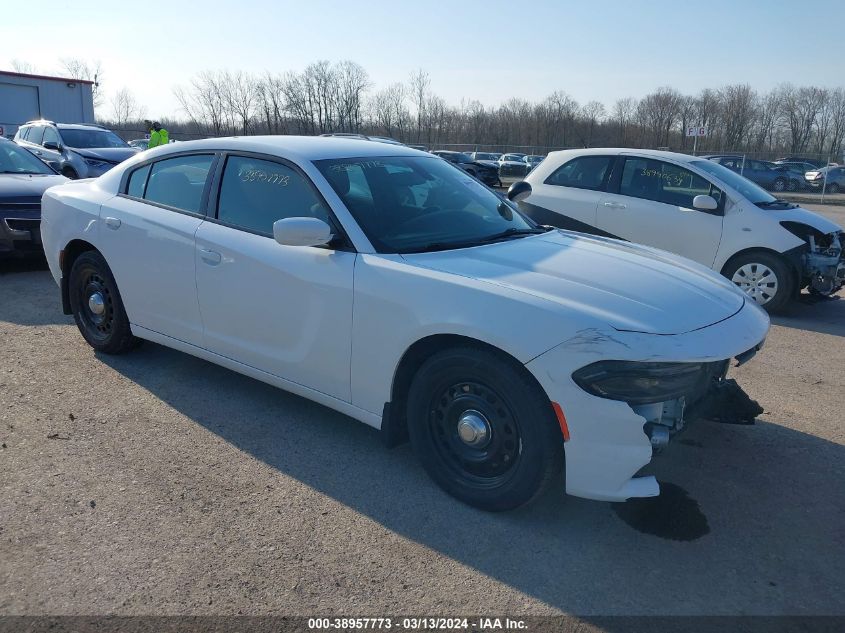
point(694, 207)
point(391, 286)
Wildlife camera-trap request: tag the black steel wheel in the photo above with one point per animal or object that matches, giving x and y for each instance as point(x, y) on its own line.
point(483, 428)
point(97, 307)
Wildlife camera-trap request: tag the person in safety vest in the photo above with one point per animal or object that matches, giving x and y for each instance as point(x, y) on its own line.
point(158, 135)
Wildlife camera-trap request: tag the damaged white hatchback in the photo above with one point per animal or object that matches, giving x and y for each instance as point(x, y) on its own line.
point(389, 285)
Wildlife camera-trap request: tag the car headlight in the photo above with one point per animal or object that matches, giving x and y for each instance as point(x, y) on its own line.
point(639, 383)
point(92, 162)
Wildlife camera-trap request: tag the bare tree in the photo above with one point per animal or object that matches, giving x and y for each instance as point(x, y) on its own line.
point(89, 71)
point(800, 108)
point(738, 107)
point(125, 108)
point(623, 114)
point(21, 66)
point(657, 113)
point(591, 113)
point(419, 85)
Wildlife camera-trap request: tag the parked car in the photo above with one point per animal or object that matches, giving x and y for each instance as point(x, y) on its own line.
point(74, 150)
point(23, 180)
point(815, 162)
point(512, 165)
point(532, 160)
point(799, 167)
point(381, 283)
point(485, 171)
point(139, 143)
point(489, 157)
point(694, 207)
point(832, 178)
point(771, 176)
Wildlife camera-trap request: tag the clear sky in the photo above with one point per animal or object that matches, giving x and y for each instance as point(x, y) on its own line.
point(488, 50)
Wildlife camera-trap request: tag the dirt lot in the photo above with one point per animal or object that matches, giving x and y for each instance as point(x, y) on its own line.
point(156, 483)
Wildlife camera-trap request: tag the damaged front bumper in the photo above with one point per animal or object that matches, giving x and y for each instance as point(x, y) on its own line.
point(611, 440)
point(824, 263)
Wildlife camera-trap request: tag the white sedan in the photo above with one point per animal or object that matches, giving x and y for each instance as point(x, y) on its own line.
point(387, 284)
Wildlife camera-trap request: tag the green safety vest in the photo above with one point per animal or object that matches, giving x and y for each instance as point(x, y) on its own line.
point(157, 138)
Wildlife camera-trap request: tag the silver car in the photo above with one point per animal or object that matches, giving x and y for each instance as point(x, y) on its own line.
point(74, 150)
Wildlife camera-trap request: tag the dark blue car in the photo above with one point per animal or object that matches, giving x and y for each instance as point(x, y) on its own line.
point(23, 180)
point(768, 175)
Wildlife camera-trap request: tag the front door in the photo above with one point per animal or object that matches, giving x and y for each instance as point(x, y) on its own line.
point(652, 205)
point(286, 310)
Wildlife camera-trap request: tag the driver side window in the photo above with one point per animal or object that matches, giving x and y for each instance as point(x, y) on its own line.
point(254, 193)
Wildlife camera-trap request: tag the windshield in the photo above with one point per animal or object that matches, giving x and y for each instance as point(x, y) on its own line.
point(743, 186)
point(485, 156)
point(91, 139)
point(412, 204)
point(517, 158)
point(16, 160)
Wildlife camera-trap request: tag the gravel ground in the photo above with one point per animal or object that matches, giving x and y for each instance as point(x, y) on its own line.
point(156, 483)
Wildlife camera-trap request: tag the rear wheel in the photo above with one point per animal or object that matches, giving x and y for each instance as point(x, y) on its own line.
point(779, 185)
point(833, 188)
point(794, 185)
point(764, 277)
point(483, 430)
point(97, 307)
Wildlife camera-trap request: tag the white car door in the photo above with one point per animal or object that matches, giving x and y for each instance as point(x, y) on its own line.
point(653, 206)
point(147, 237)
point(569, 196)
point(286, 310)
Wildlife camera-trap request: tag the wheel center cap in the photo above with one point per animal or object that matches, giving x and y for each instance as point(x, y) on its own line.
point(473, 429)
point(96, 304)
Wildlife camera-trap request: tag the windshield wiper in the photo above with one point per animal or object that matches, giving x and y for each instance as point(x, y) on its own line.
point(444, 246)
point(10, 171)
point(773, 203)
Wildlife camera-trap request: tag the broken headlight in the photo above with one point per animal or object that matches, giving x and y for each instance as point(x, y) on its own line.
point(640, 383)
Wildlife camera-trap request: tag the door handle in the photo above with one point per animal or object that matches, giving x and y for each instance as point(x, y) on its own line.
point(113, 223)
point(615, 205)
point(210, 257)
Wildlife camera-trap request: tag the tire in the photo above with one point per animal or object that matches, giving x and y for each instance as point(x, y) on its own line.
point(779, 185)
point(833, 188)
point(107, 331)
point(793, 185)
point(518, 446)
point(763, 277)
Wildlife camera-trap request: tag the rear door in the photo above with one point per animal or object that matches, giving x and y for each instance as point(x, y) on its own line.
point(147, 235)
point(650, 202)
point(568, 198)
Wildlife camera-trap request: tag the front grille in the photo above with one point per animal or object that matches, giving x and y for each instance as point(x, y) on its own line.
point(19, 206)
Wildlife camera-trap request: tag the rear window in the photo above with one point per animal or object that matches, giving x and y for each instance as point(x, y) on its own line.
point(178, 182)
point(583, 172)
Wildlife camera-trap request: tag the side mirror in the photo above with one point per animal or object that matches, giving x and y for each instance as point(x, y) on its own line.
point(705, 203)
point(519, 191)
point(302, 232)
point(51, 145)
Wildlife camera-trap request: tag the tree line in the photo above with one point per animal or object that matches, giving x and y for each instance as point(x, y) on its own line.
point(340, 97)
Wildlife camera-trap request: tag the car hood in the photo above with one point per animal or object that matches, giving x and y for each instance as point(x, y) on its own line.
point(804, 216)
point(487, 163)
point(110, 154)
point(25, 188)
point(629, 287)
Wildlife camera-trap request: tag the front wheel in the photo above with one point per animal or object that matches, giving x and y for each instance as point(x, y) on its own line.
point(483, 430)
point(764, 277)
point(779, 185)
point(833, 188)
point(97, 307)
point(794, 185)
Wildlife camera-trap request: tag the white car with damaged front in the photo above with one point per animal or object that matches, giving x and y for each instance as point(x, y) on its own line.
point(387, 284)
point(694, 207)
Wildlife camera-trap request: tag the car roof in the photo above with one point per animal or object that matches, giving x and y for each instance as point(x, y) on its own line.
point(629, 151)
point(308, 148)
point(79, 126)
